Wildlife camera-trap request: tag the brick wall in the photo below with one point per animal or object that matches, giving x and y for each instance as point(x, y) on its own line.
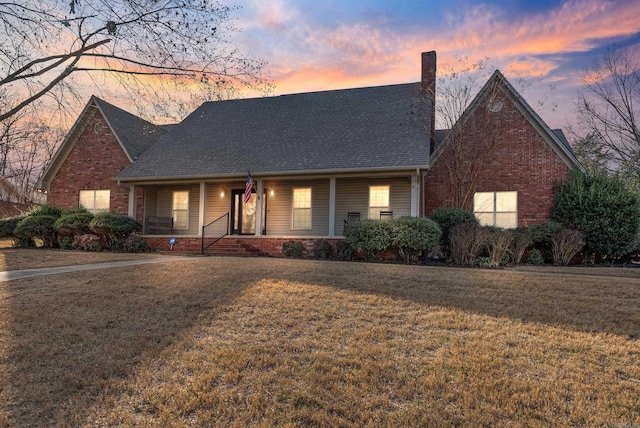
point(245, 246)
point(91, 165)
point(517, 159)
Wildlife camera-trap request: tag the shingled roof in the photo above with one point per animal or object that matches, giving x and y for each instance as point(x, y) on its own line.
point(135, 134)
point(364, 129)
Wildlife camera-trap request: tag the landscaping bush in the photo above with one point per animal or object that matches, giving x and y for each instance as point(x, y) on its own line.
point(447, 218)
point(293, 249)
point(566, 244)
point(498, 242)
point(345, 250)
point(135, 244)
point(466, 240)
point(414, 235)
point(486, 262)
point(113, 229)
point(371, 236)
point(65, 242)
point(322, 249)
point(8, 226)
point(542, 236)
point(34, 227)
point(88, 242)
point(603, 209)
point(45, 210)
point(535, 257)
point(74, 222)
point(522, 238)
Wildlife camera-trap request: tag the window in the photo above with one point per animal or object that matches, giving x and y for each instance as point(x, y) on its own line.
point(301, 216)
point(378, 201)
point(181, 210)
point(95, 201)
point(496, 208)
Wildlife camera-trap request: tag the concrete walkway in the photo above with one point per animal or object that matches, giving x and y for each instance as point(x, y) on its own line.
point(27, 273)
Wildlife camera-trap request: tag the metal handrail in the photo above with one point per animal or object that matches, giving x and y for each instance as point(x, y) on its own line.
point(216, 239)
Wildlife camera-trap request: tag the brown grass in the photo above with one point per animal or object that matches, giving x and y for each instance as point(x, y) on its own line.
point(272, 342)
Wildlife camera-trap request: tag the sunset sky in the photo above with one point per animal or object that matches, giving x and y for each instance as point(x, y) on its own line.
point(315, 45)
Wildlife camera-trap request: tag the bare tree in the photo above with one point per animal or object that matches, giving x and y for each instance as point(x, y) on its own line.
point(140, 43)
point(26, 146)
point(168, 55)
point(466, 140)
point(608, 107)
point(470, 145)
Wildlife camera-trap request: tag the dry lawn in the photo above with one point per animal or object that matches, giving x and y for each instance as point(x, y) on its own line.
point(272, 342)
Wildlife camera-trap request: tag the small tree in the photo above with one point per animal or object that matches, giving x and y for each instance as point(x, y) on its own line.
point(603, 209)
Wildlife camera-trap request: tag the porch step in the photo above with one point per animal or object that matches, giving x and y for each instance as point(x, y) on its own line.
point(232, 247)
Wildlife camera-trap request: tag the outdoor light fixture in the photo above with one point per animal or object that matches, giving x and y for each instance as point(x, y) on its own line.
point(272, 193)
point(222, 193)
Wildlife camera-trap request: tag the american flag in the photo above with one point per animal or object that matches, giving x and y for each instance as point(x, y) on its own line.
point(247, 189)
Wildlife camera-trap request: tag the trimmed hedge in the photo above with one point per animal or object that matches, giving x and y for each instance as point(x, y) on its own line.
point(322, 249)
point(447, 218)
point(74, 222)
point(36, 227)
point(8, 226)
point(293, 249)
point(410, 236)
point(113, 229)
point(371, 237)
point(603, 209)
point(414, 235)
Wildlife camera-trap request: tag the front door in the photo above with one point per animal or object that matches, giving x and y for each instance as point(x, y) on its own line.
point(244, 215)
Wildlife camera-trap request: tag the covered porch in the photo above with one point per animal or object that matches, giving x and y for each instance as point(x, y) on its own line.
point(278, 209)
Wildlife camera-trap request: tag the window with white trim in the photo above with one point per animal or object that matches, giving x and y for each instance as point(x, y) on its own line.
point(95, 201)
point(181, 209)
point(301, 211)
point(496, 209)
point(378, 201)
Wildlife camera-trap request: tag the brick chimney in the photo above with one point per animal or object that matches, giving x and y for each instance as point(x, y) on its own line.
point(428, 88)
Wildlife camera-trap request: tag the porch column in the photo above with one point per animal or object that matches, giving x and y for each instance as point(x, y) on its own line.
point(332, 206)
point(203, 198)
point(415, 196)
point(259, 196)
point(131, 212)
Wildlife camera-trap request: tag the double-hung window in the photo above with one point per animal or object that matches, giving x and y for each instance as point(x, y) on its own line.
point(301, 212)
point(181, 210)
point(95, 201)
point(378, 201)
point(496, 209)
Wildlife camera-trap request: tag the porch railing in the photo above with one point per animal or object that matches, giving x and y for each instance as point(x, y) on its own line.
point(214, 225)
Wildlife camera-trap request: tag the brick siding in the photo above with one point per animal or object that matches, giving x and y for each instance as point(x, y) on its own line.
point(520, 160)
point(91, 165)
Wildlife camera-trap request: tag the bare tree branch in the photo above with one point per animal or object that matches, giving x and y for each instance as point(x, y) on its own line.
point(608, 108)
point(183, 39)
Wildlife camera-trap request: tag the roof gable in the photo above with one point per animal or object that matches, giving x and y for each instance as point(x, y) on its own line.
point(132, 133)
point(342, 130)
point(554, 138)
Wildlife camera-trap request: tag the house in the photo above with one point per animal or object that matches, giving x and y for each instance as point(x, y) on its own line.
point(500, 160)
point(316, 161)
